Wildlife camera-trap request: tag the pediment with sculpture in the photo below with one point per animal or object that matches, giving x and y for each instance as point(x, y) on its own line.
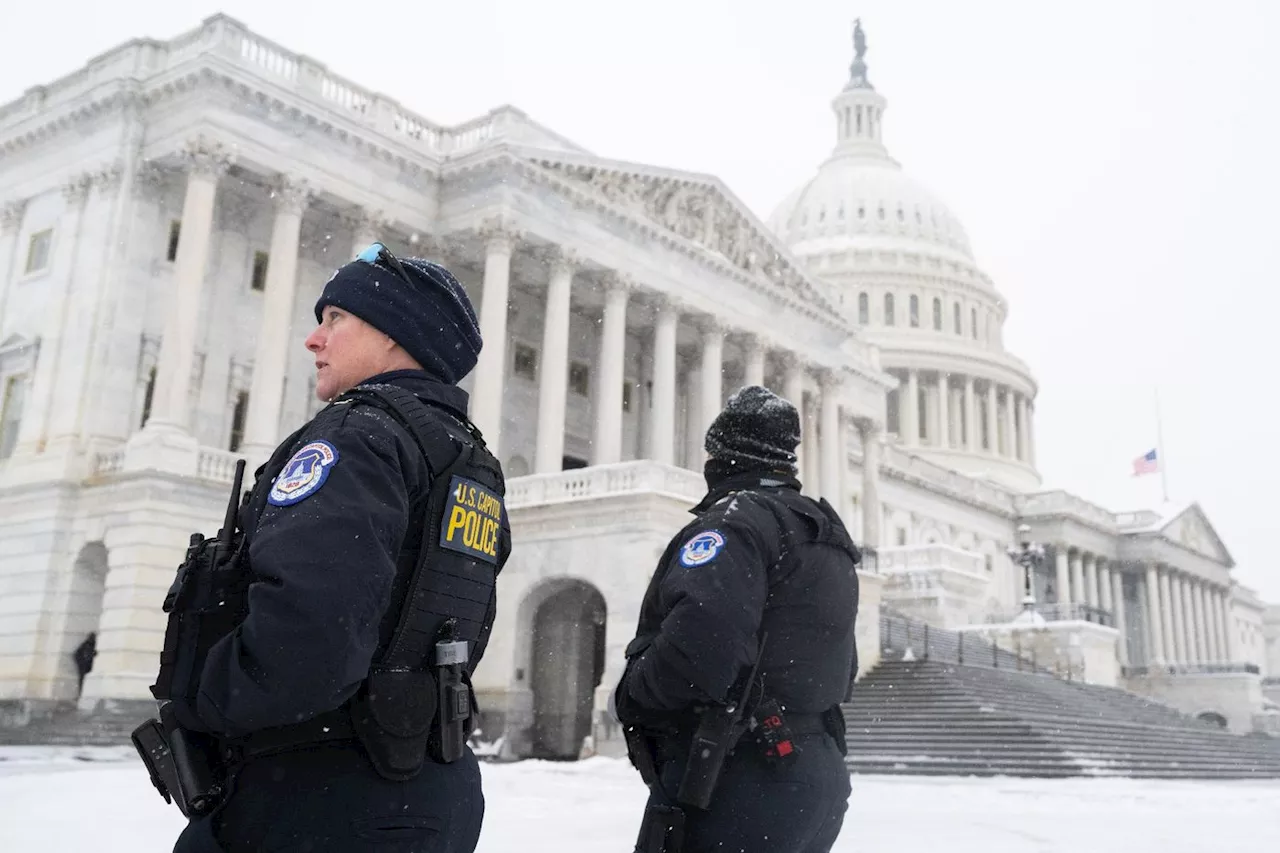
point(1191, 529)
point(697, 209)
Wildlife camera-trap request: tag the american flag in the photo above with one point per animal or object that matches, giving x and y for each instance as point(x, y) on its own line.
point(1146, 464)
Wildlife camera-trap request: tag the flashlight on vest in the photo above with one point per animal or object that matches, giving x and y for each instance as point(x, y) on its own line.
point(455, 698)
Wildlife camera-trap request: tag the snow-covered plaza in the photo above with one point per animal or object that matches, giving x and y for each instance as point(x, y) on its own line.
point(99, 800)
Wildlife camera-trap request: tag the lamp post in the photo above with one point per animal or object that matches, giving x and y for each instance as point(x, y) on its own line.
point(1029, 555)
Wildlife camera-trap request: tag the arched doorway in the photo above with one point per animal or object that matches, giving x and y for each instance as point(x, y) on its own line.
point(84, 609)
point(1212, 717)
point(567, 663)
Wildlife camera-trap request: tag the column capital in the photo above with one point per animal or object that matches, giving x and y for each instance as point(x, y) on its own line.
point(613, 281)
point(206, 157)
point(11, 213)
point(664, 303)
point(792, 360)
point(108, 177)
point(560, 259)
point(499, 233)
point(750, 341)
point(76, 190)
point(290, 194)
point(431, 246)
point(365, 222)
point(709, 325)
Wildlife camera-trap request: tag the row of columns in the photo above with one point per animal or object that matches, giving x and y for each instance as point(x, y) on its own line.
point(206, 163)
point(1087, 580)
point(1188, 619)
point(1008, 416)
point(487, 394)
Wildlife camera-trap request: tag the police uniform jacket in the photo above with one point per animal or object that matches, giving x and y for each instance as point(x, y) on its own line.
point(323, 561)
point(759, 558)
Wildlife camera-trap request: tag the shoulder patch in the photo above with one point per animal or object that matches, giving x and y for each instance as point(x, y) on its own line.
point(471, 520)
point(304, 473)
point(701, 549)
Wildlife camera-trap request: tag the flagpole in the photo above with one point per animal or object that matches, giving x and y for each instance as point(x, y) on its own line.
point(1162, 461)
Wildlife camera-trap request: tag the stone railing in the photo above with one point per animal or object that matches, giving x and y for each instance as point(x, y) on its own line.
point(913, 557)
point(911, 466)
point(603, 481)
point(227, 42)
point(1193, 669)
point(1059, 502)
point(219, 466)
point(1060, 613)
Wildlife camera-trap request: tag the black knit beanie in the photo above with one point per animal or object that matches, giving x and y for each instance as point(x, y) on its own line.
point(758, 430)
point(430, 317)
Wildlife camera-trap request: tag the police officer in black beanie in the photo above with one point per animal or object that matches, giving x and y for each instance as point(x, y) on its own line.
point(372, 541)
point(759, 561)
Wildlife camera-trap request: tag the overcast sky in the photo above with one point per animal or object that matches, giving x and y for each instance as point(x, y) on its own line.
point(1116, 164)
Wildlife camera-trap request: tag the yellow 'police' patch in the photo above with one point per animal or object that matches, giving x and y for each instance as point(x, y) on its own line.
point(471, 521)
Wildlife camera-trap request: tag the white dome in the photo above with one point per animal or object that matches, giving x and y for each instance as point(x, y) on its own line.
point(861, 202)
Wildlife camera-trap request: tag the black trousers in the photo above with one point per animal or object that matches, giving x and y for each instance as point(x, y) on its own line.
point(761, 808)
point(329, 799)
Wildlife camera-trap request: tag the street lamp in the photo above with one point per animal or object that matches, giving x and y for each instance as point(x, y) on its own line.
point(1028, 555)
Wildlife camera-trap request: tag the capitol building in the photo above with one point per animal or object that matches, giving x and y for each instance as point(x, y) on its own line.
point(170, 211)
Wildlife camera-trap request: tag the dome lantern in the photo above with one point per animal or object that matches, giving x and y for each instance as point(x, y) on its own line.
point(859, 108)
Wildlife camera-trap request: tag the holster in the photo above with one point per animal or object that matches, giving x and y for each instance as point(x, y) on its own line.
point(661, 830)
point(184, 766)
point(392, 717)
point(640, 751)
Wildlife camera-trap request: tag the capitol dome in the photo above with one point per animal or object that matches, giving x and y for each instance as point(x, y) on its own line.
point(900, 265)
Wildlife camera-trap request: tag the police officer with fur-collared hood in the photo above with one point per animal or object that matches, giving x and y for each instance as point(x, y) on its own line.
point(761, 563)
point(339, 706)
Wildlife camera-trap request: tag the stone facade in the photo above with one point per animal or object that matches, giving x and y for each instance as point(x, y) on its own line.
point(169, 215)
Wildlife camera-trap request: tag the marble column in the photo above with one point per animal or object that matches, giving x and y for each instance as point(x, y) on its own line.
point(944, 411)
point(1077, 579)
point(711, 394)
point(911, 411)
point(1203, 649)
point(754, 374)
point(11, 216)
point(993, 421)
point(830, 438)
point(811, 480)
point(1091, 591)
point(1215, 624)
point(607, 444)
point(1031, 436)
point(171, 402)
point(1228, 626)
point(1063, 580)
point(1104, 583)
point(793, 391)
point(491, 366)
point(1183, 597)
point(271, 356)
point(663, 412)
point(33, 431)
point(972, 436)
point(1115, 579)
point(870, 437)
point(1172, 619)
point(367, 226)
point(1010, 449)
point(694, 435)
point(1155, 616)
point(1022, 428)
point(553, 372)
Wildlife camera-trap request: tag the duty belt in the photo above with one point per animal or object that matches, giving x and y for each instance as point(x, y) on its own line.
point(331, 726)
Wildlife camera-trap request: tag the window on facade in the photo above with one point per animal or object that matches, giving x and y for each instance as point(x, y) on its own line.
point(11, 405)
point(628, 389)
point(888, 309)
point(175, 231)
point(862, 212)
point(959, 330)
point(526, 362)
point(973, 321)
point(914, 304)
point(991, 564)
point(864, 309)
point(937, 314)
point(986, 428)
point(902, 537)
point(579, 378)
point(922, 411)
point(893, 416)
point(38, 250)
point(147, 397)
point(258, 278)
point(238, 414)
point(881, 212)
point(859, 117)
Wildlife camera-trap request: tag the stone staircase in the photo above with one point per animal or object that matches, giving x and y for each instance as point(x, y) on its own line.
point(109, 724)
point(990, 715)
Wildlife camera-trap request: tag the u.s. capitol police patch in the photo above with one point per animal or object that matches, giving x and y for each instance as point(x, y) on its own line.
point(304, 473)
point(701, 549)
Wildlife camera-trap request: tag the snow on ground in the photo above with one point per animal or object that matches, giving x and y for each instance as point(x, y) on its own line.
point(100, 800)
